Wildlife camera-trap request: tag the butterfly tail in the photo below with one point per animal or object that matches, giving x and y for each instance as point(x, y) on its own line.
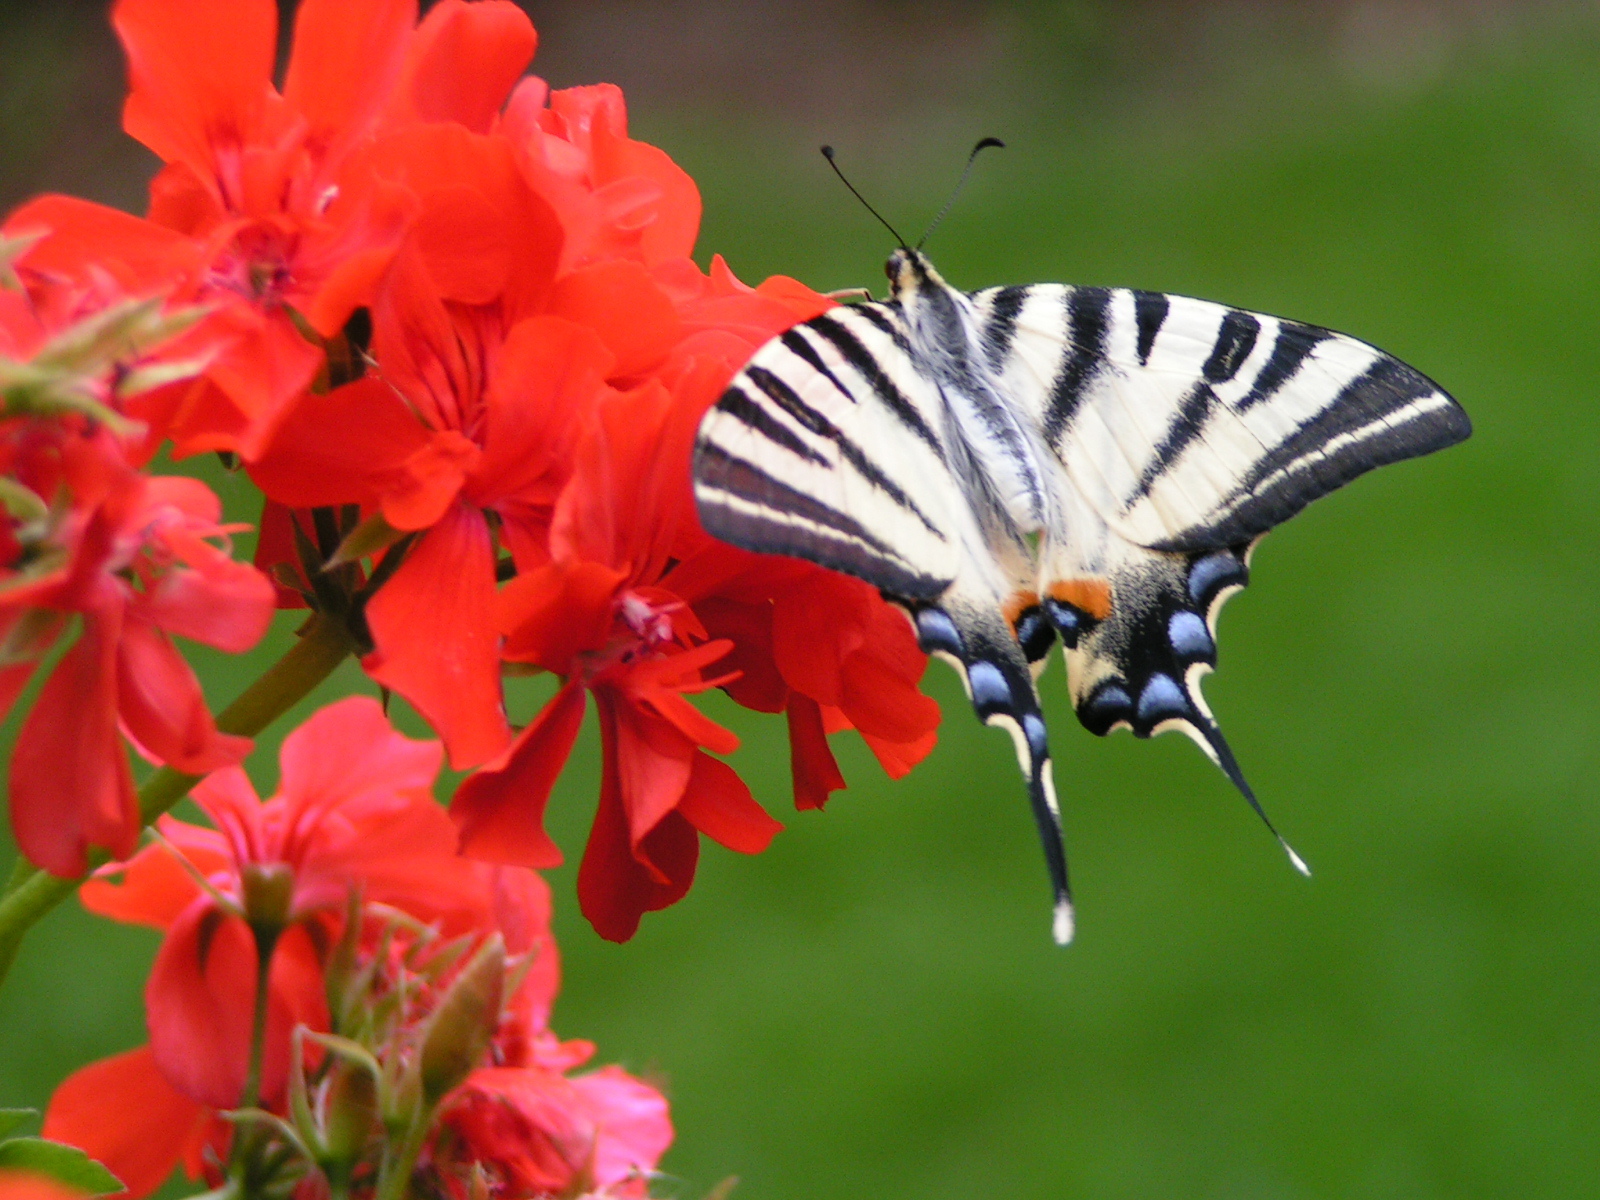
point(1208, 736)
point(998, 680)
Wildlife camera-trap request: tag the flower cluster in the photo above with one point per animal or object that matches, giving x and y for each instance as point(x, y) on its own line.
point(448, 322)
point(333, 970)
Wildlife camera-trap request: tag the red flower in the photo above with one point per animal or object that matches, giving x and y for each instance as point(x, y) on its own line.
point(354, 810)
point(472, 406)
point(256, 181)
point(537, 1132)
point(132, 557)
point(603, 613)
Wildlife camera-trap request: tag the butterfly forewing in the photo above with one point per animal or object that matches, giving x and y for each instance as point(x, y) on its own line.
point(792, 459)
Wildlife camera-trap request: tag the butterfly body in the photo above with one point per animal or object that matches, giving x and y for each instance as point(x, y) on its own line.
point(1019, 465)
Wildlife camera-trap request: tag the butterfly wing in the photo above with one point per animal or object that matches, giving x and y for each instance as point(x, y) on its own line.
point(1185, 431)
point(1188, 425)
point(831, 445)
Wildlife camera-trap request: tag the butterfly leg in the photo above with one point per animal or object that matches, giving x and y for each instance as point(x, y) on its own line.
point(993, 659)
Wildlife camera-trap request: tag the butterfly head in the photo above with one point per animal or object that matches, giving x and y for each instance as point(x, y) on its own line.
point(910, 272)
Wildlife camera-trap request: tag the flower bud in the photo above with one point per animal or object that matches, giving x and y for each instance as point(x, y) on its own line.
point(464, 1023)
point(268, 896)
point(350, 1113)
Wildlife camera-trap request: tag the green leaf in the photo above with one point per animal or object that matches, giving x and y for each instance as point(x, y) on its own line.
point(57, 1160)
point(10, 1118)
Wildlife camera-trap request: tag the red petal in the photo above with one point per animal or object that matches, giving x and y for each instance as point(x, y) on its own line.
point(264, 373)
point(160, 702)
point(463, 62)
point(70, 783)
point(500, 808)
point(214, 600)
point(124, 1114)
point(347, 58)
point(622, 303)
point(199, 1003)
point(795, 296)
point(614, 888)
point(897, 758)
point(811, 762)
point(632, 1127)
point(349, 750)
point(673, 218)
point(433, 624)
point(89, 242)
point(403, 856)
point(549, 373)
point(339, 448)
point(882, 701)
point(155, 888)
point(199, 74)
point(719, 805)
point(552, 614)
point(760, 685)
point(652, 762)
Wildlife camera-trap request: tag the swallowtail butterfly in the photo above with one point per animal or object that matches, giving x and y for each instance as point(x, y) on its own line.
point(1021, 464)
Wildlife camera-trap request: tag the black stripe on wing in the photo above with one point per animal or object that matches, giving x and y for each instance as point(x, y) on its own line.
point(1290, 348)
point(1000, 327)
point(741, 503)
point(736, 403)
point(1149, 313)
point(1088, 325)
point(866, 364)
point(980, 644)
point(1387, 414)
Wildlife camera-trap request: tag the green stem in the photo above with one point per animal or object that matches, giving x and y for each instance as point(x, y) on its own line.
point(394, 1177)
point(323, 646)
point(265, 942)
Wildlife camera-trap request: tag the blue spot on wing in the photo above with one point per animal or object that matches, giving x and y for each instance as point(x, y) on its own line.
point(937, 632)
point(1162, 697)
point(990, 691)
point(1188, 635)
point(1212, 572)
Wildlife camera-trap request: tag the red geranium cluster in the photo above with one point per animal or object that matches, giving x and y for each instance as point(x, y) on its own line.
point(448, 322)
point(428, 977)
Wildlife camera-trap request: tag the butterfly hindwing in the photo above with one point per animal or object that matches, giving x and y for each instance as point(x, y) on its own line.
point(995, 659)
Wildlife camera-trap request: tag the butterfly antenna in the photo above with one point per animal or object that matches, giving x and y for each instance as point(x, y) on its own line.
point(827, 153)
point(982, 145)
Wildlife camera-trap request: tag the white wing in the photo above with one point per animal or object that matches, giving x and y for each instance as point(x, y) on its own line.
point(1189, 425)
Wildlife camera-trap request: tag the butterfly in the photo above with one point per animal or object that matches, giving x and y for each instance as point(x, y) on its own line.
point(1018, 465)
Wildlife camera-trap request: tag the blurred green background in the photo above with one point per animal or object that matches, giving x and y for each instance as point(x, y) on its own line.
point(874, 1007)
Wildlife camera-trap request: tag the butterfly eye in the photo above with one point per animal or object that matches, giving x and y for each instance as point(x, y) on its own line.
point(892, 267)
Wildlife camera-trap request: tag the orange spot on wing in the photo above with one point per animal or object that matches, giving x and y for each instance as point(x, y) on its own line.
point(1019, 603)
point(1092, 596)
